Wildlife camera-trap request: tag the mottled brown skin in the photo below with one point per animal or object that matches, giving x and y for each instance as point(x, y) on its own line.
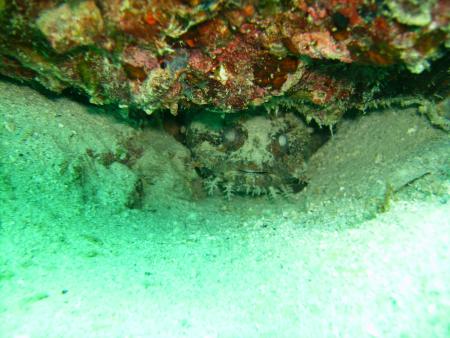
point(255, 155)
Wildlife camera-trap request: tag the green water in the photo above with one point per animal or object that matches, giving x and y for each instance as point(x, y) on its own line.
point(363, 251)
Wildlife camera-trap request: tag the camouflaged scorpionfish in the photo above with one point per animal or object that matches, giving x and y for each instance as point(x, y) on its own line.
point(254, 155)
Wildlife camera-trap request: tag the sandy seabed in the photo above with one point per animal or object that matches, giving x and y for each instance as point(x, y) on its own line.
point(363, 251)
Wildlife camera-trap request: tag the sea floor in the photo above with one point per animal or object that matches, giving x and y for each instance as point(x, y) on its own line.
point(363, 251)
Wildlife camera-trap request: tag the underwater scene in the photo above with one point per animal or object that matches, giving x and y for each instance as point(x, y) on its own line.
point(224, 168)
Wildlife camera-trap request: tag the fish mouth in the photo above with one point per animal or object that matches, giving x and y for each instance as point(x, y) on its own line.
point(253, 172)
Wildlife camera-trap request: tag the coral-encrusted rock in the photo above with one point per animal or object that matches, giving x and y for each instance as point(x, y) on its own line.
point(70, 26)
point(320, 45)
point(318, 57)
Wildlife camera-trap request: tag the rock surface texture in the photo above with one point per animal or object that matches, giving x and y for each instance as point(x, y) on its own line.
point(319, 58)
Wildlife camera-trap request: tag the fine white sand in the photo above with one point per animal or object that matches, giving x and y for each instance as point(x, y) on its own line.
point(362, 252)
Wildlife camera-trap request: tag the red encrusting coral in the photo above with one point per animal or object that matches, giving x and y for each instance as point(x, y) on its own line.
point(168, 54)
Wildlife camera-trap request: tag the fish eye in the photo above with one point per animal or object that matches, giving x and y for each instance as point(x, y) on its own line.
point(280, 145)
point(230, 135)
point(233, 138)
point(282, 140)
